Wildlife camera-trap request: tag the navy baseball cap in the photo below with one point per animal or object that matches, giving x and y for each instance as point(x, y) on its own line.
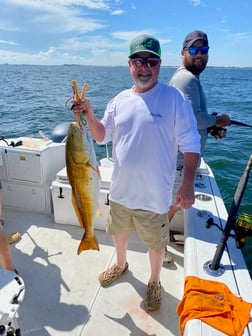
point(194, 36)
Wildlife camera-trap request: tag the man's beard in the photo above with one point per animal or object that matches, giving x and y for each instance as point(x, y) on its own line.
point(195, 69)
point(142, 84)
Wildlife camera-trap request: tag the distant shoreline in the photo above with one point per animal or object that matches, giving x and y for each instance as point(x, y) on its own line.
point(116, 66)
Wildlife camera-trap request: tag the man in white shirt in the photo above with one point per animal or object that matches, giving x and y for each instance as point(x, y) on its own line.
point(146, 124)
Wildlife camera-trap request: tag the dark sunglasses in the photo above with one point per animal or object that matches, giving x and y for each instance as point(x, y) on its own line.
point(150, 62)
point(194, 50)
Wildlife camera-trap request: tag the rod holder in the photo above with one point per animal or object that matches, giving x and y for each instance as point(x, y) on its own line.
point(214, 265)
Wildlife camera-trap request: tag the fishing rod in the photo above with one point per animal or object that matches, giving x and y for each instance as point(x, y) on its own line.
point(230, 224)
point(220, 132)
point(239, 123)
point(234, 122)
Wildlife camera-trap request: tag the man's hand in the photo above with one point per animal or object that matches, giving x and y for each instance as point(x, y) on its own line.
point(217, 132)
point(185, 196)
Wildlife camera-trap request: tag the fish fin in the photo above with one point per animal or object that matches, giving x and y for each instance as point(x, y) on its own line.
point(83, 91)
point(90, 165)
point(77, 212)
point(88, 244)
point(96, 168)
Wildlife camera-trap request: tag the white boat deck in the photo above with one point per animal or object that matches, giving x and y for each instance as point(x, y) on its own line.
point(62, 292)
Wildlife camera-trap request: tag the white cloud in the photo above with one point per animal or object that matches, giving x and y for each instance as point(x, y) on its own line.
point(117, 12)
point(238, 37)
point(196, 2)
point(8, 42)
point(92, 4)
point(7, 26)
point(54, 5)
point(47, 54)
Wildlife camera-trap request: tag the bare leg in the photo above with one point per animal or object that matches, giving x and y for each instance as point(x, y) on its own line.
point(153, 295)
point(1, 200)
point(121, 244)
point(5, 253)
point(10, 237)
point(121, 266)
point(156, 262)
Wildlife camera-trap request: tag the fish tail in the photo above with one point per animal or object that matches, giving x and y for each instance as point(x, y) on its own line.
point(89, 243)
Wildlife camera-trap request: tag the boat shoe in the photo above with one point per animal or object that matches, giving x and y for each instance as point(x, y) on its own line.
point(153, 297)
point(13, 237)
point(107, 277)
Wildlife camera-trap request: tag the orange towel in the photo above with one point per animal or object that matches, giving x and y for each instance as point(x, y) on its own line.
point(213, 303)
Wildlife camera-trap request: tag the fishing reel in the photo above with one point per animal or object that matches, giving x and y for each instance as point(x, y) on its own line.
point(243, 229)
point(217, 132)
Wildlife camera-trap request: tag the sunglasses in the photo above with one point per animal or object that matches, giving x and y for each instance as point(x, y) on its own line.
point(194, 50)
point(150, 62)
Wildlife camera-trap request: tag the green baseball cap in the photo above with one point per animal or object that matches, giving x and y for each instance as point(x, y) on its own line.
point(144, 42)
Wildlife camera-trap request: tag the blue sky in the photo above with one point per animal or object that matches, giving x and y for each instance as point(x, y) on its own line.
point(98, 32)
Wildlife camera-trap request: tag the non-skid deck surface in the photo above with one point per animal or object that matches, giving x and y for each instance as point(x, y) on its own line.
point(63, 295)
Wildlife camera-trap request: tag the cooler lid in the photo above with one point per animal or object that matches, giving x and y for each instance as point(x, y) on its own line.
point(61, 176)
point(106, 173)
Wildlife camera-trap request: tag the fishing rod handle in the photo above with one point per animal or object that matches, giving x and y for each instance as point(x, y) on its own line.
point(248, 168)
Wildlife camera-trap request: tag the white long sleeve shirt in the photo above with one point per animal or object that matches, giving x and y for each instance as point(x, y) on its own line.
point(146, 130)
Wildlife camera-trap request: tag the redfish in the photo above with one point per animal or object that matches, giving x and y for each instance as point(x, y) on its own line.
point(83, 175)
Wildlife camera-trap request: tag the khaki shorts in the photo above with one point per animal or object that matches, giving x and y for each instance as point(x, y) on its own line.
point(152, 228)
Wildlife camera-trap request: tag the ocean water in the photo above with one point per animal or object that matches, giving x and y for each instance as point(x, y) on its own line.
point(33, 98)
